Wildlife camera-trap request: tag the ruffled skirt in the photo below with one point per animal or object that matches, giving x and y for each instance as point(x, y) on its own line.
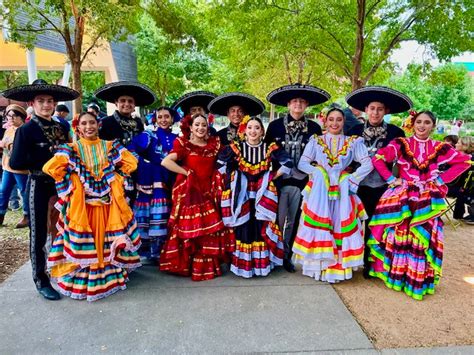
point(406, 245)
point(329, 243)
point(152, 211)
point(199, 242)
point(94, 246)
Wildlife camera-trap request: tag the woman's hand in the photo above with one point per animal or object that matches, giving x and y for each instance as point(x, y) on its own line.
point(397, 182)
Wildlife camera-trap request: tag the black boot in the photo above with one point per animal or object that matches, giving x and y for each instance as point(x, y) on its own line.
point(288, 265)
point(49, 293)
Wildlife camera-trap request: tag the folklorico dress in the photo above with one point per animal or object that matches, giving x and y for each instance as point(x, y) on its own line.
point(198, 240)
point(329, 241)
point(250, 203)
point(153, 204)
point(97, 234)
point(407, 232)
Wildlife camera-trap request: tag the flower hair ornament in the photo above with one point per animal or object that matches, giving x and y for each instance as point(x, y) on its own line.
point(185, 126)
point(242, 127)
point(407, 125)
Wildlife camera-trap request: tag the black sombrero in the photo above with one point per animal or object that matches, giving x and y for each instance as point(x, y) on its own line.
point(142, 94)
point(249, 103)
point(285, 94)
point(394, 100)
point(195, 98)
point(26, 93)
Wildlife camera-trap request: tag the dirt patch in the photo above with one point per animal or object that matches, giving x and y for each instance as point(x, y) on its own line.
point(393, 320)
point(14, 245)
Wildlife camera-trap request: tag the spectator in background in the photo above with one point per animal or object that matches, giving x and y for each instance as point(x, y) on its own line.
point(60, 115)
point(352, 116)
point(465, 184)
point(16, 116)
point(94, 108)
point(451, 139)
point(456, 127)
point(61, 112)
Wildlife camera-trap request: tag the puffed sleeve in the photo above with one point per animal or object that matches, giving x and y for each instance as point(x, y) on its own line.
point(179, 148)
point(226, 160)
point(386, 155)
point(128, 163)
point(281, 156)
point(139, 143)
point(458, 163)
point(361, 155)
point(56, 167)
point(309, 155)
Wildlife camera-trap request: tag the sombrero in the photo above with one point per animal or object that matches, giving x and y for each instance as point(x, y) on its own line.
point(142, 94)
point(394, 100)
point(195, 98)
point(285, 94)
point(250, 104)
point(26, 93)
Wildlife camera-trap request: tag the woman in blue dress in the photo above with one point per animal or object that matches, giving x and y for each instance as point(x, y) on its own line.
point(154, 183)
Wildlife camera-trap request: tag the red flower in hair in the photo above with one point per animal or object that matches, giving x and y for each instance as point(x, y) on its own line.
point(75, 122)
point(185, 125)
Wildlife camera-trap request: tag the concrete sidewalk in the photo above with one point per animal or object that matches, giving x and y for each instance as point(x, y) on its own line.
point(161, 313)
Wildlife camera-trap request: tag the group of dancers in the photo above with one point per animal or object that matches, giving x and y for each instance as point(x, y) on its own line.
point(244, 196)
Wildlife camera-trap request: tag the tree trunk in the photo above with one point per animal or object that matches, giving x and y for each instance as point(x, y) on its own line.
point(359, 50)
point(77, 85)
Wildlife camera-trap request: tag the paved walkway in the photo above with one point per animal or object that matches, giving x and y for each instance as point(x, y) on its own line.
point(160, 313)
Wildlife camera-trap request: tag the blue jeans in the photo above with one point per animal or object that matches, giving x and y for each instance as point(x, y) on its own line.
point(8, 182)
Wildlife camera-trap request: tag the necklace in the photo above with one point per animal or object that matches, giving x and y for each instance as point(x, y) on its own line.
point(54, 133)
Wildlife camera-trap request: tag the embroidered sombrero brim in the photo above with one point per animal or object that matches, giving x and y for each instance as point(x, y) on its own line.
point(195, 98)
point(142, 94)
point(285, 94)
point(27, 93)
point(250, 104)
point(394, 100)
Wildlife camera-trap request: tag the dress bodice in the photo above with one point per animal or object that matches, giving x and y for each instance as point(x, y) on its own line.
point(419, 160)
point(334, 153)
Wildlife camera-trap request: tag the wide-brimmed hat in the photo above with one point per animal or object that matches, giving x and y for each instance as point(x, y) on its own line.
point(286, 93)
point(17, 108)
point(142, 94)
point(394, 100)
point(195, 98)
point(249, 103)
point(27, 93)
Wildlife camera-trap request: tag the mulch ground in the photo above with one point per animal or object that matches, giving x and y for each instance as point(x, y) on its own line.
point(14, 244)
point(393, 320)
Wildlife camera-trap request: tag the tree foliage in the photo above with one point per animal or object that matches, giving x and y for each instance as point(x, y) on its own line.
point(446, 90)
point(340, 43)
point(70, 20)
point(452, 91)
point(166, 64)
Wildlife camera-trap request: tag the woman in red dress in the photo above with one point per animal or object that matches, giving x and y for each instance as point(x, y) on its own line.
point(199, 242)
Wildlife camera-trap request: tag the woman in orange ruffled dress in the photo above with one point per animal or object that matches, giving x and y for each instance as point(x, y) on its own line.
point(97, 238)
point(198, 240)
